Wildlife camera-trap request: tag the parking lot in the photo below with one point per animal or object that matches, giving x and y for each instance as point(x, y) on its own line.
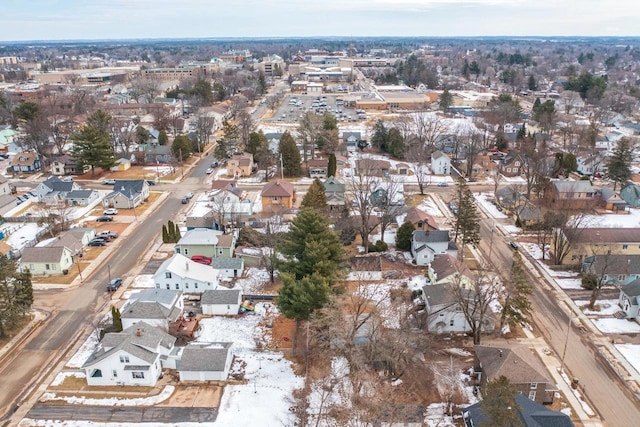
point(294, 106)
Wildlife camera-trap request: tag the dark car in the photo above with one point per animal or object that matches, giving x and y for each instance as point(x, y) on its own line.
point(97, 242)
point(151, 182)
point(104, 218)
point(114, 284)
point(214, 164)
point(185, 200)
point(513, 245)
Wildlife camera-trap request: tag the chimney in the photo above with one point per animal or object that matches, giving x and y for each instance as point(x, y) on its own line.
point(139, 332)
point(186, 265)
point(500, 352)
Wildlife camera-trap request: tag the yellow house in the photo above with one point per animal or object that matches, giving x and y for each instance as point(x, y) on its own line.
point(121, 164)
point(278, 195)
point(48, 260)
point(599, 241)
point(240, 165)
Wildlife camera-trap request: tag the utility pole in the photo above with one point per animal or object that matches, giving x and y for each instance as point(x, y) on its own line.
point(281, 167)
point(566, 341)
point(181, 163)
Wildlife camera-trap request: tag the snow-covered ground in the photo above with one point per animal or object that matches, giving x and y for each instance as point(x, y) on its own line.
point(631, 352)
point(608, 307)
point(254, 280)
point(112, 401)
point(616, 326)
point(20, 234)
point(59, 379)
point(484, 200)
point(632, 220)
point(84, 351)
point(143, 281)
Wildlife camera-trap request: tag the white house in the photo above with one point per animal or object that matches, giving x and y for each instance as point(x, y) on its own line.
point(182, 274)
point(135, 356)
point(588, 165)
point(228, 267)
point(155, 307)
point(629, 299)
point(54, 190)
point(221, 302)
point(444, 314)
point(426, 244)
point(205, 361)
point(440, 163)
point(127, 194)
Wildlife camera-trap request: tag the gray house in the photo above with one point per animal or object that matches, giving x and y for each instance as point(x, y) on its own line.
point(629, 299)
point(54, 190)
point(205, 361)
point(127, 194)
point(425, 245)
point(531, 414)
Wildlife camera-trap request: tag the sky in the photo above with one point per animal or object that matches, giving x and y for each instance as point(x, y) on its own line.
point(125, 19)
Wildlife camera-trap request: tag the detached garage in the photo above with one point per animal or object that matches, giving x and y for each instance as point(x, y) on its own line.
point(205, 362)
point(221, 302)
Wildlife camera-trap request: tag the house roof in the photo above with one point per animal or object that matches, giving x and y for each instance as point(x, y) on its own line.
point(221, 184)
point(200, 221)
point(517, 363)
point(372, 164)
point(228, 263)
point(129, 188)
point(567, 186)
point(200, 236)
point(603, 235)
point(72, 241)
point(209, 357)
point(150, 310)
point(184, 267)
point(56, 184)
point(614, 264)
point(220, 296)
point(278, 188)
point(226, 241)
point(318, 163)
point(135, 340)
point(445, 265)
point(632, 289)
point(531, 414)
point(79, 194)
point(24, 159)
point(415, 215)
point(332, 184)
point(43, 254)
point(166, 297)
point(431, 236)
point(438, 294)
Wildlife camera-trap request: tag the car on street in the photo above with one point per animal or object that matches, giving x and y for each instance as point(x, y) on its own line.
point(201, 259)
point(209, 171)
point(107, 233)
point(97, 242)
point(151, 182)
point(189, 196)
point(214, 164)
point(111, 211)
point(184, 201)
point(104, 219)
point(109, 182)
point(513, 246)
point(114, 284)
point(443, 184)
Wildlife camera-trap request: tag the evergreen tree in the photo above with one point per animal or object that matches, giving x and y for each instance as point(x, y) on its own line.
point(395, 144)
point(380, 136)
point(165, 234)
point(333, 165)
point(181, 148)
point(290, 156)
point(117, 319)
point(100, 121)
point(91, 146)
point(446, 100)
point(404, 236)
point(619, 162)
point(499, 404)
point(228, 145)
point(256, 140)
point(163, 138)
point(315, 197)
point(142, 135)
point(16, 295)
point(468, 220)
point(177, 233)
point(311, 247)
point(532, 83)
point(516, 307)
point(522, 133)
point(171, 232)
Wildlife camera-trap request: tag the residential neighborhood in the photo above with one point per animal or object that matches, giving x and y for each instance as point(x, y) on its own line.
point(326, 234)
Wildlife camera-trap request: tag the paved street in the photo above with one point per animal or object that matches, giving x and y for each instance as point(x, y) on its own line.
point(121, 414)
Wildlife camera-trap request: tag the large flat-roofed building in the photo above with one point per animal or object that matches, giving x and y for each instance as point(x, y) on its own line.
point(175, 73)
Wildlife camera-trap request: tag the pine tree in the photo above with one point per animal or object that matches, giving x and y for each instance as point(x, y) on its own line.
point(177, 233)
point(117, 319)
point(446, 99)
point(516, 306)
point(404, 236)
point(181, 148)
point(165, 234)
point(91, 147)
point(290, 156)
point(333, 165)
point(171, 232)
point(619, 162)
point(163, 138)
point(468, 220)
point(380, 136)
point(310, 246)
point(16, 295)
point(315, 197)
point(499, 405)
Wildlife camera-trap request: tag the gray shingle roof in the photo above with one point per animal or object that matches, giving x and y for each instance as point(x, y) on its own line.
point(531, 413)
point(220, 296)
point(42, 254)
point(210, 357)
point(228, 263)
point(517, 363)
point(431, 236)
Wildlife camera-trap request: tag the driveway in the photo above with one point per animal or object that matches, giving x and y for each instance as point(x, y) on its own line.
point(121, 414)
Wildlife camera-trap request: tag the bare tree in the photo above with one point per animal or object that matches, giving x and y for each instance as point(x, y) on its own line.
point(55, 216)
point(564, 232)
point(246, 125)
point(123, 136)
point(309, 130)
point(359, 196)
point(388, 205)
point(144, 89)
point(596, 280)
point(418, 155)
point(429, 127)
point(475, 301)
point(204, 127)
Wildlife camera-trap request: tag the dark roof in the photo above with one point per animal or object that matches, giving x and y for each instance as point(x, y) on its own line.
point(79, 194)
point(531, 413)
point(604, 235)
point(421, 236)
point(632, 289)
point(126, 185)
point(42, 254)
point(278, 188)
point(415, 215)
point(614, 264)
point(445, 265)
point(227, 263)
point(438, 294)
point(517, 363)
point(56, 184)
point(220, 296)
point(210, 357)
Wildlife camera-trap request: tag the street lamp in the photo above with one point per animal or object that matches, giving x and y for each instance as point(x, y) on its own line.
point(566, 341)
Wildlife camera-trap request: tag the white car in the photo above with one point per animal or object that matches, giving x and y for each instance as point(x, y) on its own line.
point(209, 171)
point(188, 196)
point(111, 211)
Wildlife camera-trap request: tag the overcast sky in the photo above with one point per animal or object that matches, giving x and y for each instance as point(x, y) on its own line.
point(121, 19)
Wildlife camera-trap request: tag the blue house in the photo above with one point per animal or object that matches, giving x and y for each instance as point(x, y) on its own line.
point(630, 193)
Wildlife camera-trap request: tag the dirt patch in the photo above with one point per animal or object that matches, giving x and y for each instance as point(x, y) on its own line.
point(282, 332)
point(195, 396)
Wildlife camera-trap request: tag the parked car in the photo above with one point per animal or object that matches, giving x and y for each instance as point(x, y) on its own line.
point(443, 184)
point(209, 171)
point(114, 284)
point(201, 259)
point(97, 242)
point(104, 219)
point(513, 246)
point(189, 196)
point(184, 200)
point(109, 182)
point(111, 211)
point(108, 233)
point(214, 164)
point(151, 182)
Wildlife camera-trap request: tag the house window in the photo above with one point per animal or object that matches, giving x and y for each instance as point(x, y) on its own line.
point(621, 277)
point(177, 285)
point(167, 275)
point(220, 251)
point(451, 322)
point(186, 285)
point(46, 267)
point(186, 251)
point(517, 164)
point(168, 286)
point(137, 375)
point(534, 386)
point(31, 267)
point(114, 373)
point(124, 358)
point(532, 395)
point(53, 266)
point(624, 247)
point(157, 285)
point(196, 285)
point(177, 250)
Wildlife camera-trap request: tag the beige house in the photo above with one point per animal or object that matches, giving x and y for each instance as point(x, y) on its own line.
point(278, 195)
point(47, 260)
point(601, 241)
point(240, 165)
